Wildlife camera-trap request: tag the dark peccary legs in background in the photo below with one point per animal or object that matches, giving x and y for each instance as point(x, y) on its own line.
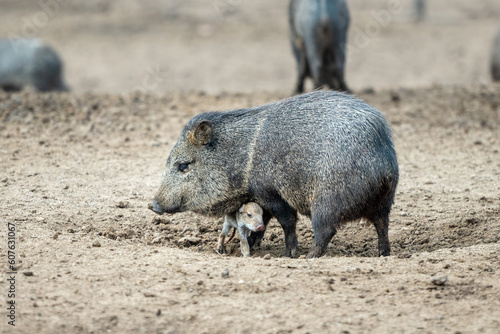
point(318, 34)
point(495, 58)
point(29, 62)
point(420, 8)
point(324, 154)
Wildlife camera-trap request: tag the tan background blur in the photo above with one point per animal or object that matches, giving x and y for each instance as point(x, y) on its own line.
point(242, 45)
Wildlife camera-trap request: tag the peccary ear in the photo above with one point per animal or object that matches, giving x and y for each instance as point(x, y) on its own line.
point(201, 134)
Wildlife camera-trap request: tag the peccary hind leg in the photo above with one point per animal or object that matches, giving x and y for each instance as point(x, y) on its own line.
point(323, 224)
point(302, 68)
point(244, 247)
point(382, 226)
point(287, 217)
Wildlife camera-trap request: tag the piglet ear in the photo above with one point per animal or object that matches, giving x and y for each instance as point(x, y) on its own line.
point(241, 208)
point(201, 134)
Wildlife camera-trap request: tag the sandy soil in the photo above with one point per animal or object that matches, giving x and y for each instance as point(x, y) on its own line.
point(78, 170)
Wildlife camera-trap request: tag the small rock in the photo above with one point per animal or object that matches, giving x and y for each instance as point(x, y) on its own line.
point(189, 241)
point(157, 240)
point(267, 257)
point(27, 273)
point(159, 221)
point(225, 273)
point(368, 90)
point(96, 243)
point(439, 280)
point(158, 313)
point(55, 236)
point(122, 204)
point(303, 256)
point(163, 227)
point(200, 282)
point(395, 97)
point(149, 294)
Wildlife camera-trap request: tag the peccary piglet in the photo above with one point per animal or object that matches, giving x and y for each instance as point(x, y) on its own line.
point(318, 34)
point(325, 154)
point(29, 62)
point(247, 219)
point(495, 58)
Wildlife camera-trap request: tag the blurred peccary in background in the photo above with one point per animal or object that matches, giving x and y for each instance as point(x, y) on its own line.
point(420, 9)
point(324, 154)
point(29, 62)
point(495, 58)
point(318, 34)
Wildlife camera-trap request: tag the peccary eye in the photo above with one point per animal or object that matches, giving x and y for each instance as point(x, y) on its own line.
point(184, 167)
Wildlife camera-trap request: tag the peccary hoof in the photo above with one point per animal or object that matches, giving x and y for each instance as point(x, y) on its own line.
point(384, 252)
point(290, 253)
point(221, 250)
point(315, 251)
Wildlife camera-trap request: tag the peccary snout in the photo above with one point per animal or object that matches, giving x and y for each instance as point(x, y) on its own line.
point(155, 207)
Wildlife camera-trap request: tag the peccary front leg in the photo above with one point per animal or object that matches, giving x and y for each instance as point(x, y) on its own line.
point(244, 247)
point(287, 217)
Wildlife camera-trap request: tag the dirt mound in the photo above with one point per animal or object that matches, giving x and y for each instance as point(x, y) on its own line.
point(78, 172)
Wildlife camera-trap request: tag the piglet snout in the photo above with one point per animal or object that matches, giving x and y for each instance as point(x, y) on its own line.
point(261, 228)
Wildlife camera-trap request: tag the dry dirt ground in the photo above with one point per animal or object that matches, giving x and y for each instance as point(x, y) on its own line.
point(78, 169)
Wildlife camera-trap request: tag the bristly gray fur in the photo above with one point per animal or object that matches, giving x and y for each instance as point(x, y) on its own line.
point(325, 154)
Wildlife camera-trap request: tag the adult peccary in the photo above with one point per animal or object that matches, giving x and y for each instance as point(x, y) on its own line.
point(495, 58)
point(324, 154)
point(318, 34)
point(25, 62)
point(246, 220)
